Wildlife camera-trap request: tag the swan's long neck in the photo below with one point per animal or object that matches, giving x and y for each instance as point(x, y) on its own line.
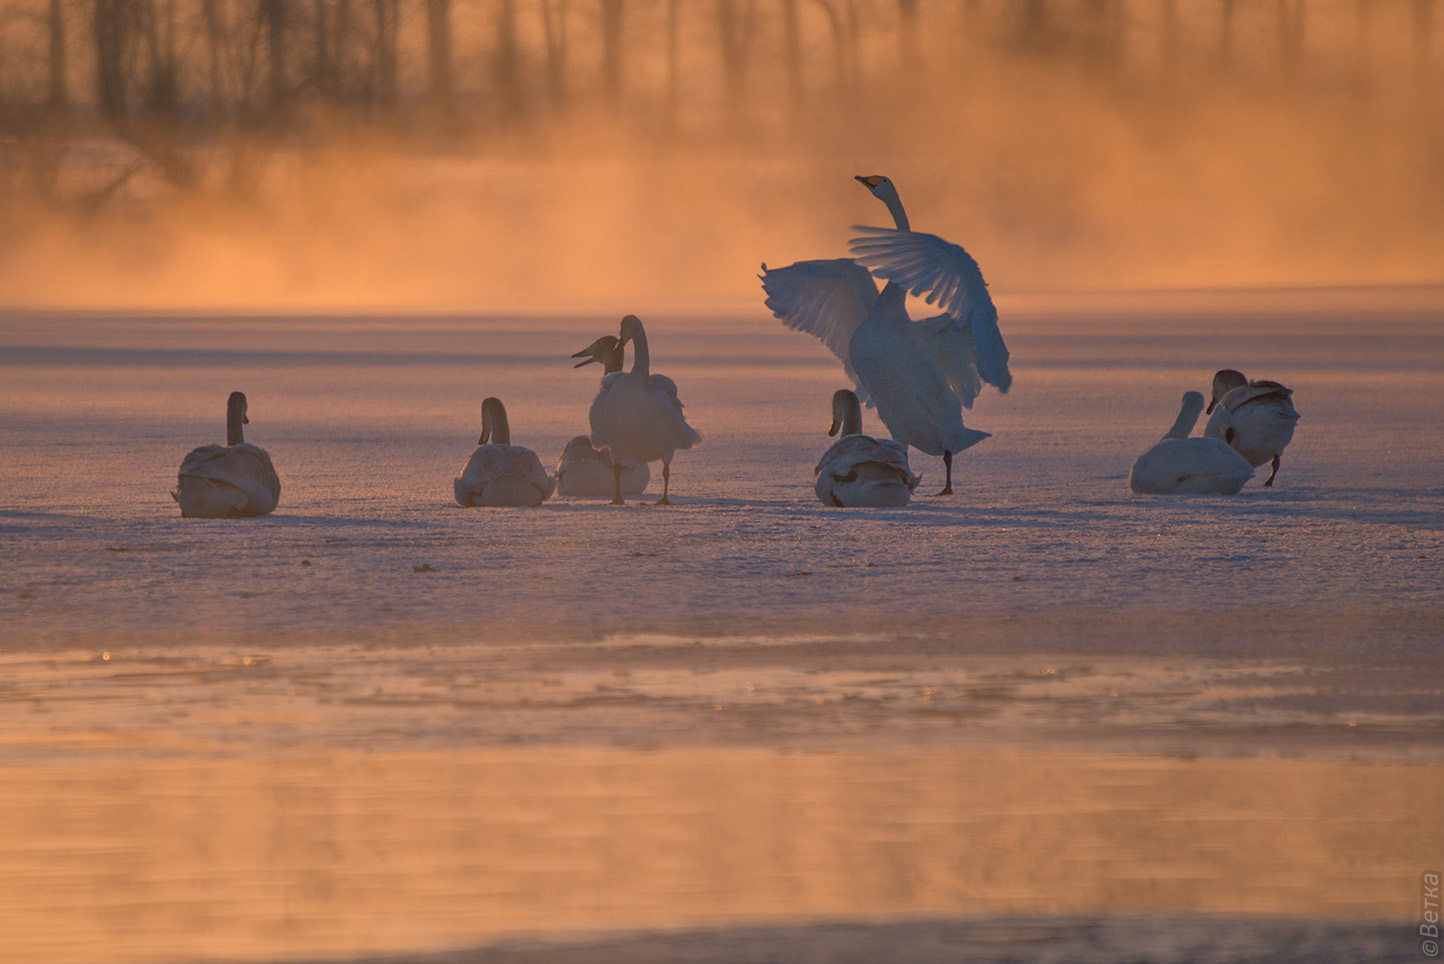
point(614, 360)
point(847, 413)
point(235, 418)
point(895, 205)
point(494, 427)
point(641, 358)
point(1187, 416)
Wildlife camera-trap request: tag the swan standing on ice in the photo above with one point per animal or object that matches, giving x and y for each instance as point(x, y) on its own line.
point(499, 473)
point(1256, 418)
point(920, 375)
point(1204, 466)
point(224, 481)
point(860, 470)
point(588, 471)
point(637, 416)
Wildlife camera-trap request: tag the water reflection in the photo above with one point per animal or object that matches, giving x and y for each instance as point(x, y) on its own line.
point(356, 853)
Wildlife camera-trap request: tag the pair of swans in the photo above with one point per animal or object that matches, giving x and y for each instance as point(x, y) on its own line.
point(919, 375)
point(636, 418)
point(228, 481)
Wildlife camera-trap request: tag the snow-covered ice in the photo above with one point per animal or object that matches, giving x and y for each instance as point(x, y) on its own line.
point(1042, 614)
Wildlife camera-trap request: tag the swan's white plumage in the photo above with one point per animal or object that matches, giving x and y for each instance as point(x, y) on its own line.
point(228, 481)
point(1256, 418)
point(858, 470)
point(827, 299)
point(1179, 464)
point(583, 470)
point(499, 473)
point(636, 415)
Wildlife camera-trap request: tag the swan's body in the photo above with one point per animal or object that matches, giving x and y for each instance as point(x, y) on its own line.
point(637, 416)
point(499, 473)
point(859, 470)
point(584, 470)
point(1256, 418)
point(919, 375)
point(231, 480)
point(1203, 466)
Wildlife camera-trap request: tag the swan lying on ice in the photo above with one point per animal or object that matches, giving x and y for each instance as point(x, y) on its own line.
point(499, 473)
point(588, 471)
point(920, 375)
point(225, 481)
point(1256, 418)
point(637, 416)
point(1204, 466)
point(859, 470)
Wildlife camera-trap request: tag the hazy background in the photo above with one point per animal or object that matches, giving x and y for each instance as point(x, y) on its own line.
point(487, 155)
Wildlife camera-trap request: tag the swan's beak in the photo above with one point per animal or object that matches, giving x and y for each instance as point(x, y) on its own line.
point(245, 421)
point(835, 426)
point(1211, 403)
point(869, 182)
point(587, 360)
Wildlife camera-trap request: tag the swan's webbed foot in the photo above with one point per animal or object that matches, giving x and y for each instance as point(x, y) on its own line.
point(946, 490)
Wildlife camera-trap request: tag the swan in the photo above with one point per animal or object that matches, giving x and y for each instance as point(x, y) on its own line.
point(920, 375)
point(637, 416)
point(859, 470)
point(499, 473)
point(1256, 418)
point(583, 469)
point(1204, 466)
point(224, 481)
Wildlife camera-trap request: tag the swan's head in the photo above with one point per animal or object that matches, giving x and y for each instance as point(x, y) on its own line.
point(605, 351)
point(845, 408)
point(881, 187)
point(1225, 380)
point(493, 423)
point(237, 403)
point(631, 328)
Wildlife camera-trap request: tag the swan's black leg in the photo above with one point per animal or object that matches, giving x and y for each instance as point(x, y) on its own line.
point(617, 475)
point(666, 478)
point(1273, 473)
point(948, 469)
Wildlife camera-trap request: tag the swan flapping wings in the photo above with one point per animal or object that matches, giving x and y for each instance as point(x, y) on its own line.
point(827, 299)
point(943, 274)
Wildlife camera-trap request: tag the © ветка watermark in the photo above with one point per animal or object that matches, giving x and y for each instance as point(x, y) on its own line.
point(1429, 929)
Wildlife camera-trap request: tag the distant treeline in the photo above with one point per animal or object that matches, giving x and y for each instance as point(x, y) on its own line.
point(162, 73)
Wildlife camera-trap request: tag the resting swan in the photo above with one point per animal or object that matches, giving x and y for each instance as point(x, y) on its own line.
point(499, 473)
point(587, 471)
point(860, 470)
point(637, 416)
point(1204, 466)
point(225, 481)
point(920, 375)
point(1256, 418)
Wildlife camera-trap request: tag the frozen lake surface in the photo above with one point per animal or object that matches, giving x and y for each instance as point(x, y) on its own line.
point(1226, 706)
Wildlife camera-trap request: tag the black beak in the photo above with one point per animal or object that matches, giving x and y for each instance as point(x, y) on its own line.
point(1211, 404)
point(587, 361)
point(835, 426)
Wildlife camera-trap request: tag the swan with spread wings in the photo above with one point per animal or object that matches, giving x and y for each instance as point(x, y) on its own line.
point(920, 375)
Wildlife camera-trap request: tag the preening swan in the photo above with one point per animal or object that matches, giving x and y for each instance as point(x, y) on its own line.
point(1205, 466)
point(1256, 418)
point(587, 471)
point(637, 416)
point(920, 375)
point(859, 470)
point(499, 473)
point(224, 481)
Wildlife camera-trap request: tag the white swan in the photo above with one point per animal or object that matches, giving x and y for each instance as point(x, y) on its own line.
point(1256, 418)
point(859, 470)
point(224, 481)
point(1204, 466)
point(637, 416)
point(920, 375)
point(499, 473)
point(588, 471)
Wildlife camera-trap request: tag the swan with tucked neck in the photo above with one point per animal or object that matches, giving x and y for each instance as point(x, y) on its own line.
point(637, 416)
point(919, 375)
point(584, 470)
point(1257, 418)
point(228, 481)
point(1177, 464)
point(858, 470)
point(499, 473)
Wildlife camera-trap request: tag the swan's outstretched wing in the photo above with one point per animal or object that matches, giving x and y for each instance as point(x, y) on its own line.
point(957, 351)
point(945, 275)
point(828, 299)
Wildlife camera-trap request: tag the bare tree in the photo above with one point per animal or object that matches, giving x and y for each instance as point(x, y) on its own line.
point(440, 74)
point(506, 63)
point(385, 56)
point(612, 14)
point(58, 100)
point(735, 29)
point(273, 18)
point(113, 29)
